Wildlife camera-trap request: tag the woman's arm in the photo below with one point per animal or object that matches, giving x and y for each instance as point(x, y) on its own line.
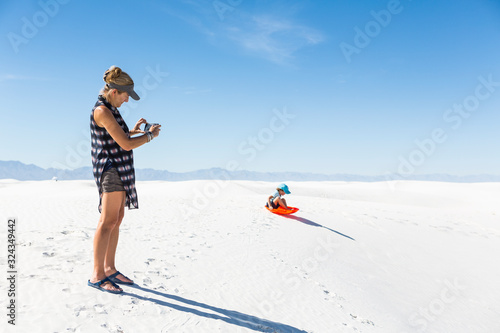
point(104, 118)
point(137, 129)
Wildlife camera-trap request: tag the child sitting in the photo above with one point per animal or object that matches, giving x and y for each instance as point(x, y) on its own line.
point(277, 200)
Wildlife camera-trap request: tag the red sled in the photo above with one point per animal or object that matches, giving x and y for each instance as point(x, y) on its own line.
point(282, 211)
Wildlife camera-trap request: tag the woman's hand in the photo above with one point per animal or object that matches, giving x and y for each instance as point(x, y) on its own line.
point(137, 127)
point(155, 129)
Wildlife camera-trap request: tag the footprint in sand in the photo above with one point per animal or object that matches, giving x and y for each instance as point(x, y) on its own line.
point(361, 320)
point(113, 329)
point(99, 308)
point(81, 311)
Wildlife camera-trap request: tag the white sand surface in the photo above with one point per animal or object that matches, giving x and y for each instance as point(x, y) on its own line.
point(401, 256)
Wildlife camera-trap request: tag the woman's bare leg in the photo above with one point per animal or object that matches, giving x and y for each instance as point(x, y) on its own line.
point(112, 202)
point(109, 260)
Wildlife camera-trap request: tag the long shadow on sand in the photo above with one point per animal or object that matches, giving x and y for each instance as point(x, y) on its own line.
point(309, 222)
point(228, 316)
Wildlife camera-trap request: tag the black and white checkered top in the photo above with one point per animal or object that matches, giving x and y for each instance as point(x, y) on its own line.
point(104, 147)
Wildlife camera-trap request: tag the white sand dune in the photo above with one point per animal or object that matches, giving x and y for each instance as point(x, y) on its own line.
point(207, 257)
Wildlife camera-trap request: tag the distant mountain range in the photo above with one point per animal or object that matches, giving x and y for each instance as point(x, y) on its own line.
point(21, 171)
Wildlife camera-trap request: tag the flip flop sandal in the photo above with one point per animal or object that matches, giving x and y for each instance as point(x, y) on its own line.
point(113, 278)
point(98, 284)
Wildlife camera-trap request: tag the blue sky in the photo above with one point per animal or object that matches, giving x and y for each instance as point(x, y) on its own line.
point(358, 87)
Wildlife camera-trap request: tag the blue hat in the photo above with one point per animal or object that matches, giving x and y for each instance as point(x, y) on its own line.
point(284, 188)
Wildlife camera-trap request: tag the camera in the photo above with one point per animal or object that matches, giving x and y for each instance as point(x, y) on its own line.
point(147, 127)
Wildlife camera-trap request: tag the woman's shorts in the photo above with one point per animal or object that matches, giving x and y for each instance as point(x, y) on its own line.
point(111, 182)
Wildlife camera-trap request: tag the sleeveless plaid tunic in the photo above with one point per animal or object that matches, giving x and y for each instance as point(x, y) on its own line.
point(104, 147)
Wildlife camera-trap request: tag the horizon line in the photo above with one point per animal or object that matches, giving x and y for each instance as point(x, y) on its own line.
point(387, 176)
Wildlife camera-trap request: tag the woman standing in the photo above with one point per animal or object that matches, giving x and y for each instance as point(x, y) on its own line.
point(113, 167)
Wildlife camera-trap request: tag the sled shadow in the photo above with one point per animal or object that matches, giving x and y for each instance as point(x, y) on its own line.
point(309, 222)
point(229, 316)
